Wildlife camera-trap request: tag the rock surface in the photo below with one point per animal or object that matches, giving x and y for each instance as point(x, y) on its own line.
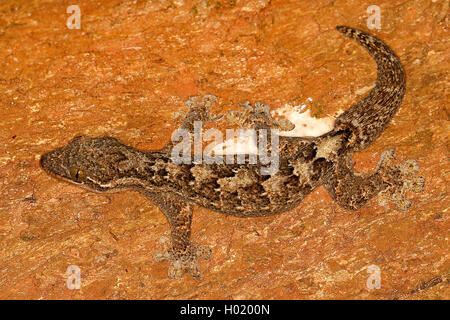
point(124, 74)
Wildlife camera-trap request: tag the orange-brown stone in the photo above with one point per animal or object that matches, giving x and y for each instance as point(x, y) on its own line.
point(124, 74)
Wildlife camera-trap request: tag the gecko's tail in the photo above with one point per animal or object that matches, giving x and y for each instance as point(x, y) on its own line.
point(367, 119)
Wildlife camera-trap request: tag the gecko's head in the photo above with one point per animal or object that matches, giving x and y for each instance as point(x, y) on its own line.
point(88, 162)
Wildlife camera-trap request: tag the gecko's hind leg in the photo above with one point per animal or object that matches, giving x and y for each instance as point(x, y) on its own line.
point(182, 254)
point(390, 181)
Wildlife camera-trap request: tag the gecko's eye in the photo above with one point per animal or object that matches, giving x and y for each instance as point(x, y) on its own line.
point(77, 175)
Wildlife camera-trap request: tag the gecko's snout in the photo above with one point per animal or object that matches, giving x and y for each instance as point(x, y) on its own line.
point(52, 162)
point(43, 160)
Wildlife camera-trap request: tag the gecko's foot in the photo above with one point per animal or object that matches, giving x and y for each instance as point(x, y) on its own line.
point(399, 180)
point(199, 109)
point(182, 261)
point(257, 118)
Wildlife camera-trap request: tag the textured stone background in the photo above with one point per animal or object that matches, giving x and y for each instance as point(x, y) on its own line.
point(133, 64)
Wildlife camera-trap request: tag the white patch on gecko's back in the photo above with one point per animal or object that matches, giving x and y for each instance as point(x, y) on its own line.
point(305, 124)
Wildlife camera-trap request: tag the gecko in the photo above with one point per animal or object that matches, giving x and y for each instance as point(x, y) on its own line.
point(106, 165)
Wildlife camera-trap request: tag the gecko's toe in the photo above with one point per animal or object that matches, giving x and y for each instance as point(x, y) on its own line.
point(194, 270)
point(192, 102)
point(409, 167)
point(383, 199)
point(175, 270)
point(414, 184)
point(161, 256)
point(182, 261)
point(400, 200)
point(386, 159)
point(396, 196)
point(209, 100)
point(399, 181)
point(403, 204)
point(165, 254)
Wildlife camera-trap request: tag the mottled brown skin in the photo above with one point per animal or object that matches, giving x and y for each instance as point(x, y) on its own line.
point(107, 165)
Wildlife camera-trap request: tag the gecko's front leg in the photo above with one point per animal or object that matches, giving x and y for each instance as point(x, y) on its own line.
point(390, 181)
point(198, 110)
point(182, 254)
point(257, 117)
